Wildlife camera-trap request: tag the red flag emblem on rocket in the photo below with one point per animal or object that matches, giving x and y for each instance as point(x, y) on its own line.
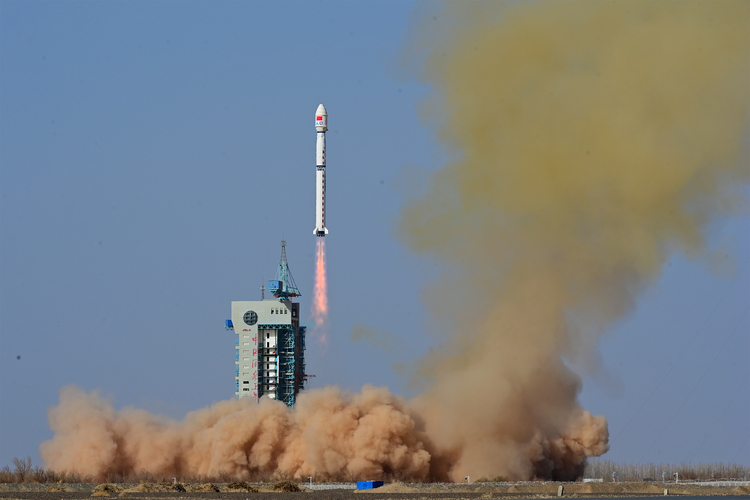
point(318, 118)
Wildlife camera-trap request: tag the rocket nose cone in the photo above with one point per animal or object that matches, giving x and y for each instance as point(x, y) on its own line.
point(321, 119)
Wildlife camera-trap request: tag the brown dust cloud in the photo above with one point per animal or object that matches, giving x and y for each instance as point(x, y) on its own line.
point(588, 141)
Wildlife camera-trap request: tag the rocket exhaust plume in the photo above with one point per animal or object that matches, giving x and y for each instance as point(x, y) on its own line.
point(320, 290)
point(589, 141)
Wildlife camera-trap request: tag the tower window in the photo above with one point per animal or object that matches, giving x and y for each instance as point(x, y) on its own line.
point(250, 318)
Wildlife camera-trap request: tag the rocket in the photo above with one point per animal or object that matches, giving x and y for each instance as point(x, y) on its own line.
point(321, 125)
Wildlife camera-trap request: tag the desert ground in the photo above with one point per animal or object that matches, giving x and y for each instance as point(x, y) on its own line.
point(284, 490)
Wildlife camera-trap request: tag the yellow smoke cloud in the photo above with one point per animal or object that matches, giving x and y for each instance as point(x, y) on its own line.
point(588, 141)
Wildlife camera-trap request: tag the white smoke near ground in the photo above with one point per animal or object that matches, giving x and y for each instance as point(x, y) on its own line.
point(590, 141)
point(329, 434)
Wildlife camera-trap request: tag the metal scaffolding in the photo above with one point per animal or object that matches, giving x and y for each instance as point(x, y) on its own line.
point(287, 365)
point(284, 286)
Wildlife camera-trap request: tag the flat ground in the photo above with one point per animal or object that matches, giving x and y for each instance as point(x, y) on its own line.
point(389, 491)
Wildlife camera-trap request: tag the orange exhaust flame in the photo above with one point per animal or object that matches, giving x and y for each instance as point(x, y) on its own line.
point(320, 299)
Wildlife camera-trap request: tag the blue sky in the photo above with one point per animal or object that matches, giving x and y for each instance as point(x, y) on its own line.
point(154, 154)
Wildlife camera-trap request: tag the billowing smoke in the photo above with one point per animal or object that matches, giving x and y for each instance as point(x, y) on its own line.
point(588, 142)
point(328, 435)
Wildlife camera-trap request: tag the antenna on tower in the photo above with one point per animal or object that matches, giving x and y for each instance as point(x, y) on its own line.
point(262, 292)
point(283, 286)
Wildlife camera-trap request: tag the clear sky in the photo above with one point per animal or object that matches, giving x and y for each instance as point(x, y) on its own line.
point(154, 154)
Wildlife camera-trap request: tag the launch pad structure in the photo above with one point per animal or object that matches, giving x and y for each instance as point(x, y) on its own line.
point(270, 345)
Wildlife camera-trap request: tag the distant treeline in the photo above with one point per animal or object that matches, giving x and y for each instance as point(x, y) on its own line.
point(602, 469)
point(25, 472)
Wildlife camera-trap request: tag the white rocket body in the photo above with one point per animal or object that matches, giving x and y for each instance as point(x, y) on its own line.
point(321, 125)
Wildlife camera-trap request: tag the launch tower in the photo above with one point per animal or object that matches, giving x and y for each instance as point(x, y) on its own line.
point(270, 345)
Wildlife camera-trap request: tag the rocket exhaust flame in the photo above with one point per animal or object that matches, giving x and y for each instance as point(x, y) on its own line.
point(588, 142)
point(320, 291)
